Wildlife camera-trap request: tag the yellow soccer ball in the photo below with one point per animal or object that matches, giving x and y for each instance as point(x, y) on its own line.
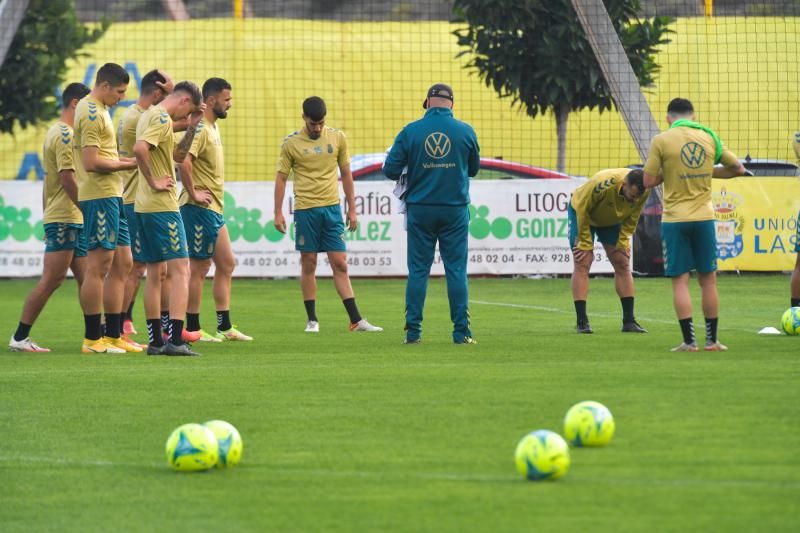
point(790, 321)
point(542, 454)
point(192, 447)
point(230, 443)
point(589, 424)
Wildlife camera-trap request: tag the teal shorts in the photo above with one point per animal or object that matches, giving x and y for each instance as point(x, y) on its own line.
point(689, 246)
point(162, 236)
point(104, 223)
point(608, 235)
point(124, 238)
point(133, 230)
point(319, 229)
point(61, 236)
point(203, 226)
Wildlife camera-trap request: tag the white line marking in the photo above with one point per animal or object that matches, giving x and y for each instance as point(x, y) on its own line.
point(520, 306)
point(59, 461)
point(570, 311)
point(436, 476)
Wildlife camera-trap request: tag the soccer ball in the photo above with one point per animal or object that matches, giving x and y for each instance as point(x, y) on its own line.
point(589, 424)
point(230, 443)
point(542, 454)
point(790, 322)
point(192, 447)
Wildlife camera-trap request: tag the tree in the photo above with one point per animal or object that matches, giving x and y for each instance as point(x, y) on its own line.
point(35, 64)
point(536, 53)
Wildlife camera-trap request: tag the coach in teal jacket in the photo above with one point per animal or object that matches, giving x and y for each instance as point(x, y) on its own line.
point(441, 154)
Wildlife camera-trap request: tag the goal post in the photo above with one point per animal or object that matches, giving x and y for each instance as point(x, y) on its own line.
point(628, 95)
point(11, 15)
point(619, 75)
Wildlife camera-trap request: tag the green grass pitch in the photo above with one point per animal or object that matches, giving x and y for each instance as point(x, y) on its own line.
point(356, 432)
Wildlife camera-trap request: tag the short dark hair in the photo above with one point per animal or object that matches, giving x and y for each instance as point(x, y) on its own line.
point(680, 106)
point(74, 91)
point(150, 80)
point(214, 86)
point(635, 178)
point(314, 108)
point(190, 89)
point(114, 74)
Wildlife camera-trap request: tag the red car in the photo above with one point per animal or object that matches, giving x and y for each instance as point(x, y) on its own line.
point(367, 167)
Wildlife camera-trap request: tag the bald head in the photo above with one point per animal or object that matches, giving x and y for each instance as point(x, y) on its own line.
point(437, 101)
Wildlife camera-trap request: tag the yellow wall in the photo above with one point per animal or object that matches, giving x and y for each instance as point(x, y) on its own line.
point(741, 73)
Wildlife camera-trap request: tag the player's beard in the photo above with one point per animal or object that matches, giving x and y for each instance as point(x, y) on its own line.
point(220, 113)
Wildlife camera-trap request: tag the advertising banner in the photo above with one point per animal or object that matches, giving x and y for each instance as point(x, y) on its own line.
point(21, 228)
point(757, 223)
point(516, 227)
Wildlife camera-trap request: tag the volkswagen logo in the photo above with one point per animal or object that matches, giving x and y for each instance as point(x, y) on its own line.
point(693, 155)
point(437, 145)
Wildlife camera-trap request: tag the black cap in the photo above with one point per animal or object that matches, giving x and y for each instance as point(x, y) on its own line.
point(440, 90)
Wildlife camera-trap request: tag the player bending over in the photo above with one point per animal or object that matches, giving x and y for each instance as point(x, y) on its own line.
point(606, 207)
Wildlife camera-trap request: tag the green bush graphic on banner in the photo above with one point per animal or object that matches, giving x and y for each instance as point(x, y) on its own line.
point(15, 223)
point(246, 223)
point(480, 227)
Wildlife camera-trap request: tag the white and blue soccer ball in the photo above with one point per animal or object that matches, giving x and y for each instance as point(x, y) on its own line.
point(790, 321)
point(192, 447)
point(229, 441)
point(589, 424)
point(542, 454)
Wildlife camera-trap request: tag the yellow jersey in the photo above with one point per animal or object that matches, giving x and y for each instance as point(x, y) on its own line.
point(93, 127)
point(313, 164)
point(599, 202)
point(208, 168)
point(155, 128)
point(685, 158)
point(57, 156)
point(126, 138)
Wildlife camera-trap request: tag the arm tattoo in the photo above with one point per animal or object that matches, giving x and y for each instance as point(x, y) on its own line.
point(183, 147)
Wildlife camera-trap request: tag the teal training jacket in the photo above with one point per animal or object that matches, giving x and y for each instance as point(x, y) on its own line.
point(441, 153)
